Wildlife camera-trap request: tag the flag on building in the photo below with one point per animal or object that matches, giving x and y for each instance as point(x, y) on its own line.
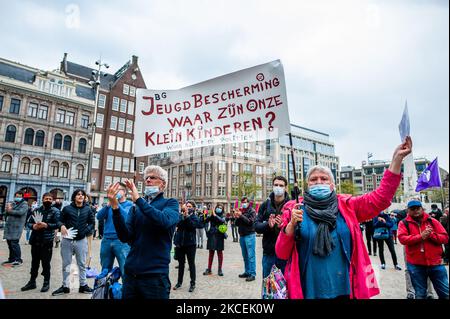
point(430, 177)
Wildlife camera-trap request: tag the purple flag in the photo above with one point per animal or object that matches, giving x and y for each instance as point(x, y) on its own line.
point(430, 177)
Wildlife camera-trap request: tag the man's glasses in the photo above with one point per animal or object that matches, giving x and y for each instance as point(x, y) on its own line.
point(152, 178)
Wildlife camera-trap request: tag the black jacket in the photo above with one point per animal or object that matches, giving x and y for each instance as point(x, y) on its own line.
point(186, 234)
point(80, 218)
point(270, 235)
point(51, 218)
point(215, 237)
point(246, 223)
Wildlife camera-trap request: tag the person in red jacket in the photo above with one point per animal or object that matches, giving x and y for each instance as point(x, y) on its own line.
point(423, 237)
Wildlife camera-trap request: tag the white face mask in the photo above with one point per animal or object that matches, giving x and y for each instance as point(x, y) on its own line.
point(278, 190)
point(151, 190)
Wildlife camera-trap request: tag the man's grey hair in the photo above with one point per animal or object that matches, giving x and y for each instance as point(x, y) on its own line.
point(160, 172)
point(322, 169)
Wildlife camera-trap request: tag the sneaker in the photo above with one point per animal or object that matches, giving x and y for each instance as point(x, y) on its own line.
point(244, 275)
point(177, 286)
point(250, 278)
point(410, 296)
point(191, 288)
point(30, 285)
point(220, 273)
point(383, 266)
point(374, 254)
point(17, 263)
point(430, 296)
point(7, 263)
point(45, 286)
point(370, 254)
point(85, 290)
point(61, 290)
point(397, 267)
point(207, 272)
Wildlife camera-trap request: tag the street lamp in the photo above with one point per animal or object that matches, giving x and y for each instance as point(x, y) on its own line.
point(95, 84)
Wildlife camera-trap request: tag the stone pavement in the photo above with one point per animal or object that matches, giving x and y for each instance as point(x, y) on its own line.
point(391, 281)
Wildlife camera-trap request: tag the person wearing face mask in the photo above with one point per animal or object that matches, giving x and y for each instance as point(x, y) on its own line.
point(268, 223)
point(16, 216)
point(436, 212)
point(245, 220)
point(321, 238)
point(41, 241)
point(149, 229)
point(185, 242)
point(111, 247)
point(216, 239)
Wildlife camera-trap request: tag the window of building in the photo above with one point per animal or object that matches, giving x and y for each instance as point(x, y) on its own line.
point(80, 171)
point(129, 126)
point(32, 109)
point(208, 191)
point(208, 178)
point(127, 146)
point(119, 146)
point(248, 168)
point(235, 167)
point(109, 162)
point(101, 100)
point(132, 91)
point(130, 107)
point(84, 121)
point(6, 164)
point(121, 125)
point(259, 180)
point(118, 163)
point(96, 161)
point(112, 142)
point(98, 140)
point(259, 170)
point(125, 164)
point(70, 116)
point(208, 166)
point(40, 137)
point(140, 186)
point(108, 182)
point(123, 106)
point(115, 104)
point(222, 178)
point(67, 146)
point(141, 167)
point(25, 166)
point(60, 116)
point(100, 119)
point(64, 170)
point(126, 89)
point(43, 112)
point(29, 136)
point(36, 167)
point(10, 134)
point(57, 141)
point(198, 191)
point(113, 125)
point(54, 169)
point(14, 106)
point(82, 145)
point(221, 165)
point(1, 102)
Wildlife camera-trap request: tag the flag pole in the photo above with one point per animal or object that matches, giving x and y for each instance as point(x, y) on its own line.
point(296, 190)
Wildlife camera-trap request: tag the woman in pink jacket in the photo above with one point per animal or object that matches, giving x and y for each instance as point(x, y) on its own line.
point(321, 238)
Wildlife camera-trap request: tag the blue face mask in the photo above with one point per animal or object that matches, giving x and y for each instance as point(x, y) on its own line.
point(119, 196)
point(244, 205)
point(151, 190)
point(320, 191)
point(218, 210)
point(17, 199)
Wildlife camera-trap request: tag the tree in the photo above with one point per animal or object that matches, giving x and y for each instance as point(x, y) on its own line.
point(347, 187)
point(246, 186)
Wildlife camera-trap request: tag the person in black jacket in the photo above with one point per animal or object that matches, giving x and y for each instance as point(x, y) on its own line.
point(268, 222)
point(368, 227)
point(77, 216)
point(41, 241)
point(245, 220)
point(215, 238)
point(185, 241)
point(383, 221)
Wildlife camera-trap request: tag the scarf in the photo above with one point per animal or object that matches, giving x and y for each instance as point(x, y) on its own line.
point(324, 213)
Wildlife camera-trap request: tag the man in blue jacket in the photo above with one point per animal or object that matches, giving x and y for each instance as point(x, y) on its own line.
point(149, 230)
point(111, 246)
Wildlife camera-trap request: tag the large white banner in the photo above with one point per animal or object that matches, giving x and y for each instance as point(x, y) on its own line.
point(244, 106)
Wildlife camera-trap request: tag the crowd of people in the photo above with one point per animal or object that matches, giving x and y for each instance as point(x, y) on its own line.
point(314, 239)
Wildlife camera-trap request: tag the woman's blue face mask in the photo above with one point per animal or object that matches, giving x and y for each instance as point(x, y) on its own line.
point(320, 191)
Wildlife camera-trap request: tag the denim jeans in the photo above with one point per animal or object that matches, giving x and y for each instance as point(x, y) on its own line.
point(248, 244)
point(14, 250)
point(110, 249)
point(268, 261)
point(152, 286)
point(438, 276)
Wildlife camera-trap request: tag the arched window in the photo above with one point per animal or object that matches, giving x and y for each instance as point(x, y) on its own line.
point(64, 170)
point(29, 136)
point(6, 164)
point(25, 165)
point(82, 146)
point(54, 169)
point(36, 167)
point(57, 141)
point(40, 136)
point(67, 143)
point(10, 134)
point(80, 171)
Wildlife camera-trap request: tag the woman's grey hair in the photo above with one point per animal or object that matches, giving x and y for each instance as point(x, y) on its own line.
point(162, 173)
point(322, 169)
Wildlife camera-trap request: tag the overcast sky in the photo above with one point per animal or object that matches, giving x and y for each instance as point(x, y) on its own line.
point(349, 65)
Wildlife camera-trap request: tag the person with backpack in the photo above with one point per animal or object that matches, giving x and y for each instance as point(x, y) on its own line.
point(77, 221)
point(43, 223)
point(185, 242)
point(268, 223)
point(216, 238)
point(423, 237)
point(16, 217)
point(382, 225)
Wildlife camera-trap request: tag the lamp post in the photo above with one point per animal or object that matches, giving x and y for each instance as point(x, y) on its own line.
point(95, 84)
